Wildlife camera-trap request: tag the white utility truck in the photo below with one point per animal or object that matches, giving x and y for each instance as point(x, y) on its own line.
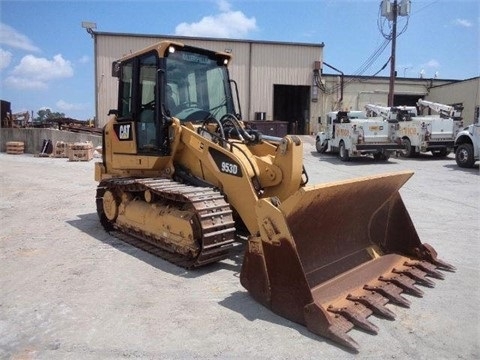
point(467, 143)
point(419, 134)
point(443, 111)
point(351, 133)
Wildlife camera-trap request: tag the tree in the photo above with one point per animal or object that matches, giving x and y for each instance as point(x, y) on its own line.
point(47, 114)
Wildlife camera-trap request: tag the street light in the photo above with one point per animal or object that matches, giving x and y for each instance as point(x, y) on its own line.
point(405, 70)
point(89, 26)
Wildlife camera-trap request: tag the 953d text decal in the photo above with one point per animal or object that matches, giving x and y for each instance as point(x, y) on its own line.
point(225, 164)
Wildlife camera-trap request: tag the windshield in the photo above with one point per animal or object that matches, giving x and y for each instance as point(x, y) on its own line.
point(197, 86)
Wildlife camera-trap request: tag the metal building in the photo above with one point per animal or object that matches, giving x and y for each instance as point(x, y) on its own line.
point(354, 92)
point(283, 81)
point(465, 92)
point(274, 79)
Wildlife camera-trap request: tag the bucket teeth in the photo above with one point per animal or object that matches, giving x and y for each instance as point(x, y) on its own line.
point(335, 319)
point(416, 274)
point(404, 282)
point(391, 292)
point(357, 314)
point(375, 302)
point(375, 295)
point(433, 258)
point(427, 267)
point(335, 329)
point(354, 310)
point(444, 265)
point(340, 337)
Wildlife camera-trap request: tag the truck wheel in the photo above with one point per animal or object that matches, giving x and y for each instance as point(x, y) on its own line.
point(321, 147)
point(409, 150)
point(464, 156)
point(344, 152)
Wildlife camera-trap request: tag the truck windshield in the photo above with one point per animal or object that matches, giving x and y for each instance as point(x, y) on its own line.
point(197, 85)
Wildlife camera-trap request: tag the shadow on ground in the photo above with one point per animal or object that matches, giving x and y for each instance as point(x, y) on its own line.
point(354, 161)
point(90, 225)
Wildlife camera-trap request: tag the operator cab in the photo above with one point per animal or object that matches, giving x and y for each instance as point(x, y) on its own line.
point(197, 85)
point(170, 80)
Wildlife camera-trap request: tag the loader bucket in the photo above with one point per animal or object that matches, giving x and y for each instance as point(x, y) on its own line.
point(331, 255)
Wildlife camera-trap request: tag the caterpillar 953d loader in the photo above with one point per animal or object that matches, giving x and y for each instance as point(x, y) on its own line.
point(182, 177)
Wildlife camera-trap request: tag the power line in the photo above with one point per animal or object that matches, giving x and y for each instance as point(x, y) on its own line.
point(382, 21)
point(367, 64)
point(383, 67)
point(424, 7)
point(371, 60)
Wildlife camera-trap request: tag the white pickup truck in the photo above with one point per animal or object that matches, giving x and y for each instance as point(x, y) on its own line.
point(353, 134)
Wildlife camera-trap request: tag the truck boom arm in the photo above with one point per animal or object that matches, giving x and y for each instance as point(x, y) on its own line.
point(445, 111)
point(378, 110)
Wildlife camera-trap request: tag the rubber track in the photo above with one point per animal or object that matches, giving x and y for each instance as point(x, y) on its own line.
point(213, 213)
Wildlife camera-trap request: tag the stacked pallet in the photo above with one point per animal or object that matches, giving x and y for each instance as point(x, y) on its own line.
point(15, 147)
point(61, 149)
point(82, 151)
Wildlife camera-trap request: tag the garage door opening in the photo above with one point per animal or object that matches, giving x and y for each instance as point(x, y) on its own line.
point(406, 100)
point(292, 104)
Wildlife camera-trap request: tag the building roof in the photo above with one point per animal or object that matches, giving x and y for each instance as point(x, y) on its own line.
point(371, 77)
point(177, 37)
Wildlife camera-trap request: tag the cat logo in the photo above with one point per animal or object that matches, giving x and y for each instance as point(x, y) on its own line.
point(124, 132)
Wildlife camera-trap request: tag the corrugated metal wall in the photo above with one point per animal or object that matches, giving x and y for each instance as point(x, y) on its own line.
point(278, 64)
point(360, 91)
point(256, 67)
point(466, 93)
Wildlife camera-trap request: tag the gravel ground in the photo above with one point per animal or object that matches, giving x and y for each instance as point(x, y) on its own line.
point(71, 291)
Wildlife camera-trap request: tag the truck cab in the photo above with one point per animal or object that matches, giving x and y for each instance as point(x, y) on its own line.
point(467, 143)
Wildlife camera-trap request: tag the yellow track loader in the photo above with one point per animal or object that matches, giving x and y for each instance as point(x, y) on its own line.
point(184, 178)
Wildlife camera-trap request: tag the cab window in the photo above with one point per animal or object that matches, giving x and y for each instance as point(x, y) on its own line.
point(145, 123)
point(126, 91)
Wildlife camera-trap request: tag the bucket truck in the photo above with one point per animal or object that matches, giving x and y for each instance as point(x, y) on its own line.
point(419, 133)
point(351, 133)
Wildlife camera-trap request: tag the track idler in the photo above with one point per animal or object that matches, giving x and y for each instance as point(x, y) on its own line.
point(331, 255)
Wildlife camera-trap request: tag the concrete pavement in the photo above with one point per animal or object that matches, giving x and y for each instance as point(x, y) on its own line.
point(71, 291)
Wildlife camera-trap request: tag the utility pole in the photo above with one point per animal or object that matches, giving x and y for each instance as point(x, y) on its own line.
point(391, 12)
point(391, 87)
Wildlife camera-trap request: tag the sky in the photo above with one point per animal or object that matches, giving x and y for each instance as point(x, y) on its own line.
point(46, 57)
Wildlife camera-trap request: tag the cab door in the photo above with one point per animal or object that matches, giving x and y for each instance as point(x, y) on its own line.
point(137, 144)
point(146, 123)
